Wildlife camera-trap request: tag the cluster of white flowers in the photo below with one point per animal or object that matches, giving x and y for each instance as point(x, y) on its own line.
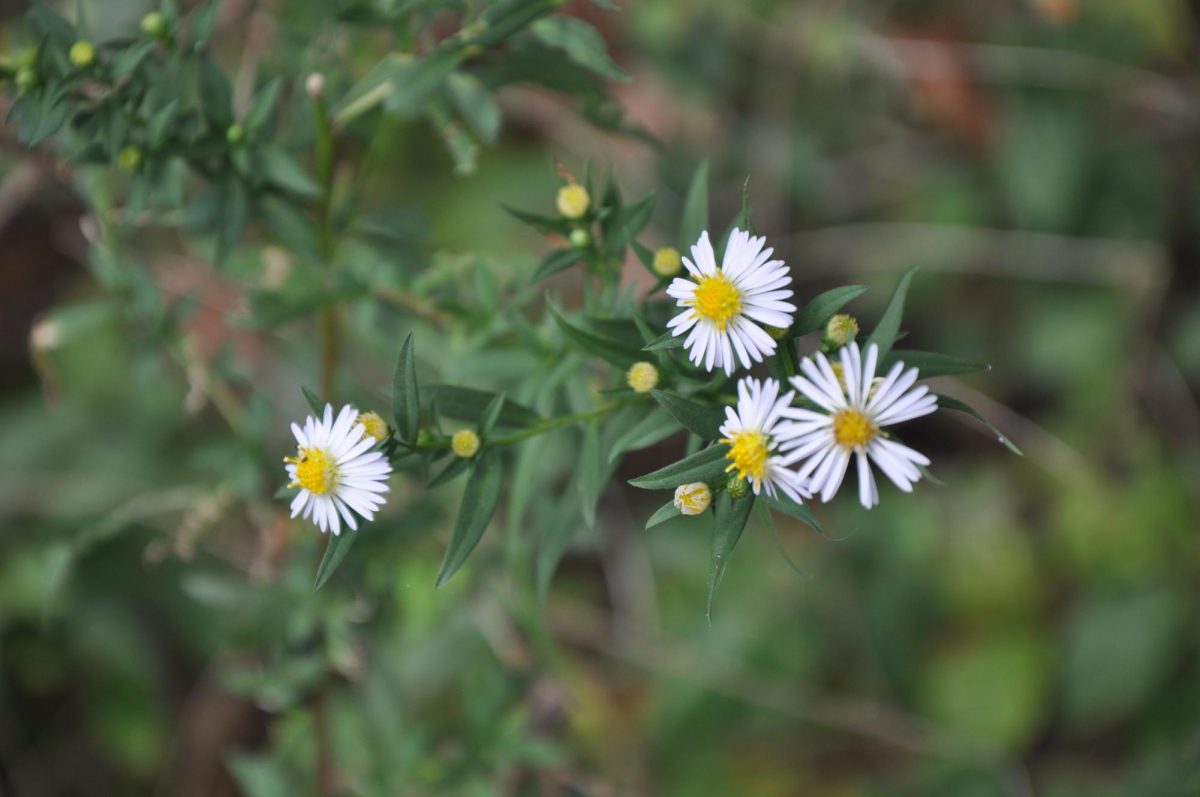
point(726, 309)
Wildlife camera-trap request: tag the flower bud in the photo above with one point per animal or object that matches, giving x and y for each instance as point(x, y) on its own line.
point(692, 499)
point(642, 377)
point(777, 333)
point(82, 54)
point(580, 238)
point(235, 134)
point(667, 262)
point(373, 425)
point(573, 201)
point(839, 331)
point(154, 25)
point(315, 85)
point(737, 487)
point(129, 159)
point(465, 443)
point(26, 80)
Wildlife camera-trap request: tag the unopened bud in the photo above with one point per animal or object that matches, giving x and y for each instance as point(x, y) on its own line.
point(465, 443)
point(235, 135)
point(840, 330)
point(373, 425)
point(315, 85)
point(667, 262)
point(129, 159)
point(573, 201)
point(737, 487)
point(580, 238)
point(82, 54)
point(692, 499)
point(642, 377)
point(154, 25)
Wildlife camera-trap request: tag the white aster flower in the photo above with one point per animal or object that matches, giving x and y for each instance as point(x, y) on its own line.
point(337, 472)
point(754, 436)
point(727, 307)
point(852, 413)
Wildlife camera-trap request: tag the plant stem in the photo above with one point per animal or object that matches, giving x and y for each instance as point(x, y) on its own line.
point(548, 425)
point(328, 321)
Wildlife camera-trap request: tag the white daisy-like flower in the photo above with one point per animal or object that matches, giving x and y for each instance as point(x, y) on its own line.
point(753, 433)
point(853, 409)
point(337, 472)
point(727, 307)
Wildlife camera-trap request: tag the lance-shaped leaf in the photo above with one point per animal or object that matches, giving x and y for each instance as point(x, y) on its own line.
point(695, 209)
point(730, 516)
point(478, 504)
point(664, 513)
point(467, 404)
point(816, 314)
point(591, 473)
point(946, 402)
point(706, 465)
point(543, 224)
point(608, 349)
point(556, 261)
point(454, 468)
point(490, 416)
point(698, 419)
point(620, 228)
point(317, 405)
point(335, 552)
point(886, 331)
point(406, 403)
point(665, 341)
point(930, 363)
point(657, 426)
point(789, 507)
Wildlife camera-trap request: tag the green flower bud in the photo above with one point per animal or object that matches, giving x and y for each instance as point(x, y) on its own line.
point(82, 54)
point(580, 238)
point(839, 331)
point(777, 333)
point(129, 159)
point(235, 135)
point(27, 79)
point(737, 487)
point(154, 25)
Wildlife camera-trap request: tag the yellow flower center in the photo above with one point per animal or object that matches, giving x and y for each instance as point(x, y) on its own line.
point(748, 455)
point(717, 299)
point(315, 471)
point(852, 429)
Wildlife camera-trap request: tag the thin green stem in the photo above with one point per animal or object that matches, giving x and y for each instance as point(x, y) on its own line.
point(328, 319)
point(533, 431)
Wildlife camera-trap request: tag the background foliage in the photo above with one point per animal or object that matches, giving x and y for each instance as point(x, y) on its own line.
point(1027, 628)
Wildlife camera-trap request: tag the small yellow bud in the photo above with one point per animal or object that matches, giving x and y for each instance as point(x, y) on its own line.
point(573, 201)
point(82, 54)
point(777, 333)
point(580, 238)
point(692, 499)
point(642, 377)
point(373, 425)
point(737, 487)
point(465, 443)
point(840, 330)
point(667, 262)
point(129, 159)
point(154, 25)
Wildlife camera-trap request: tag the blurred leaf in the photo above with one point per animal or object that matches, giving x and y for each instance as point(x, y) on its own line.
point(216, 98)
point(730, 517)
point(466, 404)
point(949, 403)
point(475, 104)
point(700, 420)
point(454, 468)
point(608, 349)
point(414, 80)
point(491, 414)
point(789, 507)
point(129, 59)
point(259, 776)
point(668, 340)
point(509, 16)
point(582, 43)
point(58, 30)
point(478, 503)
point(280, 169)
point(293, 230)
point(695, 209)
point(262, 111)
point(406, 403)
point(591, 473)
point(335, 552)
point(543, 224)
point(707, 465)
point(202, 22)
point(655, 427)
point(556, 261)
point(931, 364)
point(816, 314)
point(314, 402)
point(885, 332)
point(620, 227)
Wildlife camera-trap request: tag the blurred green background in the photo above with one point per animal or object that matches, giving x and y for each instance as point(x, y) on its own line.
point(1028, 628)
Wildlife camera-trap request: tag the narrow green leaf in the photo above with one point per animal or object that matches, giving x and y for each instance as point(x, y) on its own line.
point(582, 43)
point(591, 473)
point(816, 314)
point(491, 414)
point(406, 403)
point(730, 516)
point(885, 332)
point(289, 226)
point(607, 349)
point(556, 261)
point(282, 171)
point(667, 340)
point(743, 221)
point(707, 465)
point(335, 552)
point(216, 97)
point(930, 363)
point(414, 80)
point(234, 212)
point(509, 16)
point(695, 209)
point(621, 227)
point(317, 405)
point(475, 104)
point(543, 224)
point(781, 503)
point(946, 402)
point(454, 468)
point(128, 60)
point(159, 124)
point(657, 426)
point(202, 22)
point(698, 419)
point(263, 109)
point(467, 404)
point(664, 513)
point(478, 504)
